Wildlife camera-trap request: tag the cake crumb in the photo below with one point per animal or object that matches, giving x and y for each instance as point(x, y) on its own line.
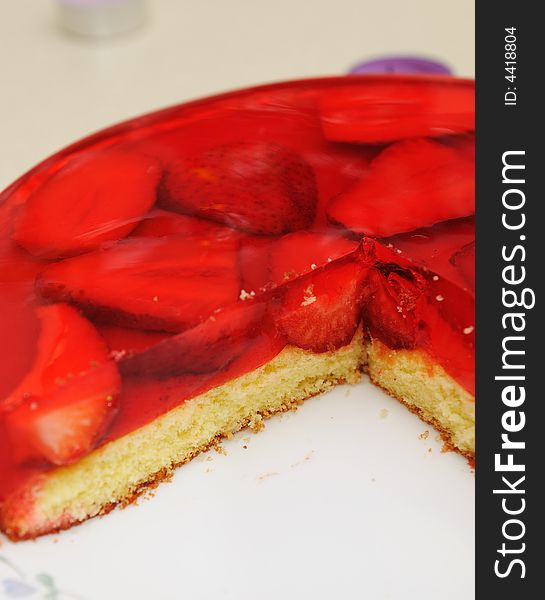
point(257, 425)
point(117, 355)
point(220, 449)
point(468, 330)
point(384, 412)
point(305, 458)
point(435, 277)
point(308, 297)
point(313, 266)
point(439, 298)
point(244, 295)
point(245, 447)
point(424, 435)
point(429, 449)
point(267, 475)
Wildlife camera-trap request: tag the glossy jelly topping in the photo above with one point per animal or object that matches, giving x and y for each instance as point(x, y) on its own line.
point(175, 252)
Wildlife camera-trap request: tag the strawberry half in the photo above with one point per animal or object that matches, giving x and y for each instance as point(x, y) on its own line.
point(93, 199)
point(386, 111)
point(161, 284)
point(389, 311)
point(67, 399)
point(255, 187)
point(322, 312)
point(208, 347)
point(411, 184)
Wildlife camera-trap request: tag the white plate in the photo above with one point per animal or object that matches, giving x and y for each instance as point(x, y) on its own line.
point(343, 499)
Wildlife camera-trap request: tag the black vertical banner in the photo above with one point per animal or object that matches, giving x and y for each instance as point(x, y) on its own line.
point(510, 475)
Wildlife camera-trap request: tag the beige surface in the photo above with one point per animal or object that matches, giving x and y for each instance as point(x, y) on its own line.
point(56, 88)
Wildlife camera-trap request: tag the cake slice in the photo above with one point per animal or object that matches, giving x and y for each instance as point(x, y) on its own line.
point(194, 272)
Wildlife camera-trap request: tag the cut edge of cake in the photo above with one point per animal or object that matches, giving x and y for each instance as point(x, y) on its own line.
point(413, 378)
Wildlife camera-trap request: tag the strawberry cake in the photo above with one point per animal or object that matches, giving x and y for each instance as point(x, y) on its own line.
point(178, 277)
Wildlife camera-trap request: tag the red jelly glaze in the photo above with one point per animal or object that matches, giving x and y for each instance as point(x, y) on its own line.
point(417, 286)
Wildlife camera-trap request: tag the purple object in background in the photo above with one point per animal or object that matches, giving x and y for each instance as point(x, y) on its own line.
point(401, 64)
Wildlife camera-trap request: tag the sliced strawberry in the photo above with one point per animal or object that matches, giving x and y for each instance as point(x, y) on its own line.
point(161, 223)
point(162, 284)
point(255, 187)
point(67, 345)
point(322, 312)
point(67, 399)
point(395, 109)
point(464, 261)
point(389, 310)
point(411, 184)
point(93, 199)
point(65, 425)
point(208, 347)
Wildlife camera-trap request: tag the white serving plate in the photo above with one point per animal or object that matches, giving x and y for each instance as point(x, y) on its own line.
point(345, 498)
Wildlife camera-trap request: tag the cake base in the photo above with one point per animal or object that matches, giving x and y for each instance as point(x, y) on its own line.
point(427, 390)
point(122, 469)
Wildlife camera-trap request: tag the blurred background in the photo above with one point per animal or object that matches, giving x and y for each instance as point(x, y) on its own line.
point(57, 86)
